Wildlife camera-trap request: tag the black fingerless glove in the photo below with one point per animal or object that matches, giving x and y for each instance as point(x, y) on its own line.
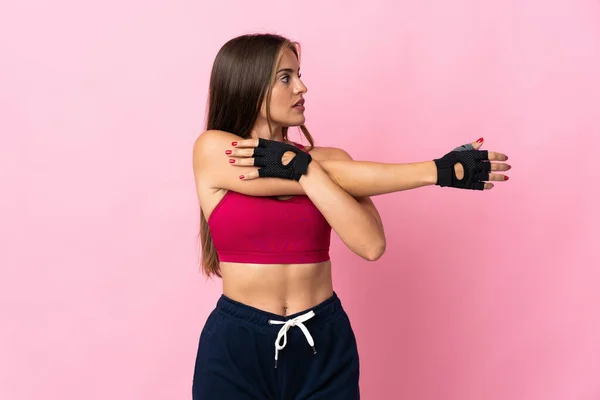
point(475, 163)
point(267, 155)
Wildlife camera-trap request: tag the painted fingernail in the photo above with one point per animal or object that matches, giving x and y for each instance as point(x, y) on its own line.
point(234, 143)
point(227, 151)
point(231, 161)
point(506, 178)
point(479, 140)
point(241, 176)
point(510, 166)
point(506, 158)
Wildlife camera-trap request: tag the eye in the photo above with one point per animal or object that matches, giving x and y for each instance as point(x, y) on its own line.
point(286, 78)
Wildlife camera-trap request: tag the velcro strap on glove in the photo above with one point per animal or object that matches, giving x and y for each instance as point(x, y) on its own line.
point(475, 164)
point(268, 154)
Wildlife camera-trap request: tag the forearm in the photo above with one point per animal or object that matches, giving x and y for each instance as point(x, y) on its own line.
point(366, 178)
point(354, 224)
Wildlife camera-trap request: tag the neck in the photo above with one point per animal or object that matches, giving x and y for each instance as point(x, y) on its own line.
point(261, 130)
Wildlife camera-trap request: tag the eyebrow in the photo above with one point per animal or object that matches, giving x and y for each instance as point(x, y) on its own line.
point(287, 70)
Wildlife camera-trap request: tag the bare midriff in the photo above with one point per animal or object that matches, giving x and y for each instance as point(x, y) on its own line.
point(281, 289)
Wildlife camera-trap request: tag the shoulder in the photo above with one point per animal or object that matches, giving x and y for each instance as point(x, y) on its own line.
point(330, 154)
point(209, 149)
point(208, 140)
point(325, 153)
point(211, 144)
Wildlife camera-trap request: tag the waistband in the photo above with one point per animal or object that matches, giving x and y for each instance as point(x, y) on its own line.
point(324, 311)
point(306, 257)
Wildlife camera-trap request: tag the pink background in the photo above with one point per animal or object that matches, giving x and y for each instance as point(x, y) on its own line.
point(489, 295)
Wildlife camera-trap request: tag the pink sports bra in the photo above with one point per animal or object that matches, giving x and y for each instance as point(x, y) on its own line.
point(266, 230)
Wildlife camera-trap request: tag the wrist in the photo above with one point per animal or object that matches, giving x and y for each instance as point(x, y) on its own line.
point(314, 168)
point(431, 174)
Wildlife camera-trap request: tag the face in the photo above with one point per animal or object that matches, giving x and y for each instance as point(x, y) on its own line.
point(288, 89)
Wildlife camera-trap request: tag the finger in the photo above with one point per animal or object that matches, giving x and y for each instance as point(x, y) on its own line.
point(240, 152)
point(242, 162)
point(470, 146)
point(247, 176)
point(498, 177)
point(495, 156)
point(500, 167)
point(245, 143)
point(488, 186)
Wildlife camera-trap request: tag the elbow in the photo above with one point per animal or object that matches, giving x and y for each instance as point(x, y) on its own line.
point(375, 252)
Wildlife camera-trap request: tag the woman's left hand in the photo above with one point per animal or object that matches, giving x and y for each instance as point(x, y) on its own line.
point(476, 145)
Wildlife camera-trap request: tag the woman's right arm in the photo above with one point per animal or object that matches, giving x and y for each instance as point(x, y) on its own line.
point(358, 178)
point(212, 169)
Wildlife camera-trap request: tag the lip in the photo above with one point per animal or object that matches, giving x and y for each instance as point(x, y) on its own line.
point(299, 103)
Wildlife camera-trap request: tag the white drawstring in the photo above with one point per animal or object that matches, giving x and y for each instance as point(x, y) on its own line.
point(299, 322)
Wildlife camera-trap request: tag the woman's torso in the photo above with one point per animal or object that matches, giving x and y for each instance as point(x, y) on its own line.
point(282, 289)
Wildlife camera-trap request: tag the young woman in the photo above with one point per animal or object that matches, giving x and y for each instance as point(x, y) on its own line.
point(268, 206)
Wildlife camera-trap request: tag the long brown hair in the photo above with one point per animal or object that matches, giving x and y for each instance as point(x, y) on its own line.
point(242, 78)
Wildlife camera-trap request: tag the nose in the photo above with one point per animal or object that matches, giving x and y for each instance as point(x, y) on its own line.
point(300, 88)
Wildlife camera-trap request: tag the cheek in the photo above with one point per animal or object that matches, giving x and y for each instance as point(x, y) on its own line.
point(276, 97)
point(279, 103)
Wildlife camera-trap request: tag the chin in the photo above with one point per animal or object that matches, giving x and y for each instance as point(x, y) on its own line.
point(297, 122)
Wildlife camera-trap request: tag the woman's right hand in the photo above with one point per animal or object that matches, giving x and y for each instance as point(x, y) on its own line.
point(275, 159)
